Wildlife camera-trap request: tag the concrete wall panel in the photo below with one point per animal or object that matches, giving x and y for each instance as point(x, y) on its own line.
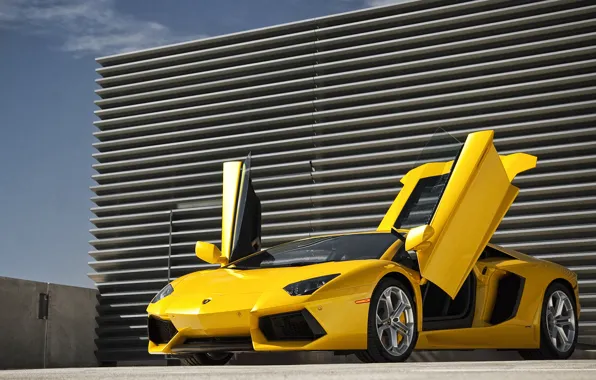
point(65, 339)
point(22, 334)
point(71, 327)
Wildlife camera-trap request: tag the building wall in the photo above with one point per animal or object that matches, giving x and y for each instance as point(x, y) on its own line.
point(65, 339)
point(334, 111)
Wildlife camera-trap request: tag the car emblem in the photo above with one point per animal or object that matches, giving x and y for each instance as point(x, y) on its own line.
point(206, 301)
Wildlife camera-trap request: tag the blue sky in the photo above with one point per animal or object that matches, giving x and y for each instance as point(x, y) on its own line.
point(47, 73)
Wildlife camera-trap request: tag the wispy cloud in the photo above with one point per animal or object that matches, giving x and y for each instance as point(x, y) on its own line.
point(86, 27)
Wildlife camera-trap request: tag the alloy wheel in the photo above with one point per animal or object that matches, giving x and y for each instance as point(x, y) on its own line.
point(560, 321)
point(395, 321)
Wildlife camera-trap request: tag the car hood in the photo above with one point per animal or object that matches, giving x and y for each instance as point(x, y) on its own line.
point(225, 289)
point(249, 281)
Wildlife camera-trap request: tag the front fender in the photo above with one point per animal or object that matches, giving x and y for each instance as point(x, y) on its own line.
point(364, 280)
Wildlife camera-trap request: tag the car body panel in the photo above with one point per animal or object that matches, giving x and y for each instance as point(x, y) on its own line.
point(520, 332)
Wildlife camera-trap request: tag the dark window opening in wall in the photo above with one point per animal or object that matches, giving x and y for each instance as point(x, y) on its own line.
point(43, 306)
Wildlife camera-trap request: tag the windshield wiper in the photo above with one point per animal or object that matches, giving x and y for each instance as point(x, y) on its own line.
point(295, 264)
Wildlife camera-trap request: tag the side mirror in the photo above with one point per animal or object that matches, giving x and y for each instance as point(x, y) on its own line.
point(418, 237)
point(209, 253)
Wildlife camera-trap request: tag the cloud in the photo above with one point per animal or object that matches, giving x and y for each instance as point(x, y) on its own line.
point(86, 27)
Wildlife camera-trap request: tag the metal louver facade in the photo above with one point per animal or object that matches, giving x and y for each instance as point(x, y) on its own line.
point(334, 111)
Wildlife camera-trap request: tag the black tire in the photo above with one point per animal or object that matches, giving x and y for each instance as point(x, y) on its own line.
point(216, 358)
point(376, 351)
point(547, 350)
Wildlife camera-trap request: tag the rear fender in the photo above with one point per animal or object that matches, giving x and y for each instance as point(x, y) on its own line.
point(538, 275)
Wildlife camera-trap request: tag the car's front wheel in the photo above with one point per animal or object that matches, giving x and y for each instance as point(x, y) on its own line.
point(392, 326)
point(558, 325)
point(211, 358)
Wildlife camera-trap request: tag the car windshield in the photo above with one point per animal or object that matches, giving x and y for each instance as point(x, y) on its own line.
point(320, 250)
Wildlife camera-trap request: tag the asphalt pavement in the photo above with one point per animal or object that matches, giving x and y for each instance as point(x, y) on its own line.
point(530, 370)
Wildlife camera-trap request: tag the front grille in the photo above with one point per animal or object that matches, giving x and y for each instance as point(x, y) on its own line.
point(160, 331)
point(299, 325)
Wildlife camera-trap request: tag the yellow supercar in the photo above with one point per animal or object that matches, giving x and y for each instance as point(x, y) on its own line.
point(426, 279)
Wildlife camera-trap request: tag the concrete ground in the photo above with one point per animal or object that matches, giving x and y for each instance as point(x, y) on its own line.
point(576, 370)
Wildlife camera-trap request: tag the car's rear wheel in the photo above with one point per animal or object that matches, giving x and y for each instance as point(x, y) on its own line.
point(558, 325)
point(211, 358)
point(392, 326)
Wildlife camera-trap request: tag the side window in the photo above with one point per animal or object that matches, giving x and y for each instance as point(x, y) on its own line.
point(420, 205)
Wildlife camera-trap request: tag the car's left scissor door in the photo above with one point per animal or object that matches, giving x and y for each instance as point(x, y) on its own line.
point(241, 212)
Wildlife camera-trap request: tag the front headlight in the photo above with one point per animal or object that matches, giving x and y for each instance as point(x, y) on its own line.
point(306, 287)
point(169, 289)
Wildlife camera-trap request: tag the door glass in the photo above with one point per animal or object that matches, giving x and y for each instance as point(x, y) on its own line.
point(247, 227)
point(422, 203)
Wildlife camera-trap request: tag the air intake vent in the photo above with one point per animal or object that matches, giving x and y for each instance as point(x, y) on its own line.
point(300, 325)
point(509, 293)
point(160, 331)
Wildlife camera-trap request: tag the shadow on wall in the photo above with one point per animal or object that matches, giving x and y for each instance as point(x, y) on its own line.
point(46, 325)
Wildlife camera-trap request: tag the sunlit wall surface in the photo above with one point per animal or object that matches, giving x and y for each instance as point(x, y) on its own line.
point(334, 111)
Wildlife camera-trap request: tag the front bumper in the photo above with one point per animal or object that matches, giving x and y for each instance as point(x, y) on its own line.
point(299, 323)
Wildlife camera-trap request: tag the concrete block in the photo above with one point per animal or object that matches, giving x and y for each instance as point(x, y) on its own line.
point(22, 334)
point(65, 339)
point(71, 327)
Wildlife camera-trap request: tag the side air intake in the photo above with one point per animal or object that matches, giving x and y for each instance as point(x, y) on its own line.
point(509, 293)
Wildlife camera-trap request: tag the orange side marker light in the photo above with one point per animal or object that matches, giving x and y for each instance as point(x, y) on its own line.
point(365, 300)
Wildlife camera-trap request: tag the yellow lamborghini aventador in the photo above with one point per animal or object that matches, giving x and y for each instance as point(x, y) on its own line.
point(426, 279)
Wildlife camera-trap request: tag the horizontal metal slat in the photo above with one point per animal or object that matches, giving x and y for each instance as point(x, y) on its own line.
point(288, 224)
point(403, 91)
point(251, 56)
point(388, 71)
point(207, 199)
point(282, 39)
point(311, 59)
point(395, 168)
point(483, 119)
point(370, 108)
point(262, 55)
point(496, 39)
point(327, 69)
